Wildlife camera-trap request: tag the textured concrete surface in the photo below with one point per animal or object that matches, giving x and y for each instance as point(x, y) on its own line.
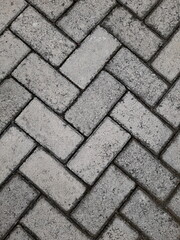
point(89, 120)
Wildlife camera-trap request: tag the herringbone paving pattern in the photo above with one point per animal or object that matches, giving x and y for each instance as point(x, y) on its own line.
point(89, 120)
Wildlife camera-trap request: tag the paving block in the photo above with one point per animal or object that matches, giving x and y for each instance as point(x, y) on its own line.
point(49, 129)
point(48, 223)
point(12, 52)
point(95, 102)
point(84, 16)
point(46, 82)
point(175, 203)
point(169, 107)
point(172, 154)
point(19, 234)
point(52, 8)
point(9, 10)
point(168, 61)
point(151, 219)
point(13, 97)
point(43, 37)
point(140, 7)
point(87, 60)
point(98, 151)
point(14, 146)
point(147, 170)
point(15, 197)
point(53, 178)
point(119, 230)
point(165, 17)
point(103, 199)
point(136, 76)
point(132, 33)
point(142, 123)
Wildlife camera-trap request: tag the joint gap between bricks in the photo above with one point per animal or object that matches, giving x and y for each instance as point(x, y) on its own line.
point(43, 15)
point(16, 222)
point(143, 61)
point(29, 232)
point(152, 9)
point(172, 194)
point(148, 107)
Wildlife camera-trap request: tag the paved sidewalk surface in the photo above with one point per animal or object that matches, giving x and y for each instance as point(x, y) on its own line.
point(90, 120)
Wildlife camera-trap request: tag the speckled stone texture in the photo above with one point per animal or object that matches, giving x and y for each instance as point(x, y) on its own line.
point(89, 120)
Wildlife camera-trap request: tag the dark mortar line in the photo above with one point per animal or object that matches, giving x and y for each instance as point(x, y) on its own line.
point(173, 193)
point(13, 19)
point(136, 17)
point(26, 229)
point(16, 222)
point(51, 23)
point(152, 9)
point(95, 26)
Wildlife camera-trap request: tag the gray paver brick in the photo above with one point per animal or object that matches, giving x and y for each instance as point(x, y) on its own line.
point(119, 230)
point(147, 170)
point(14, 145)
point(99, 150)
point(165, 17)
point(12, 98)
point(132, 32)
point(104, 198)
point(8, 10)
point(140, 7)
point(90, 57)
point(53, 179)
point(135, 75)
point(46, 82)
point(19, 234)
point(168, 61)
point(49, 129)
point(175, 203)
point(48, 223)
point(14, 199)
point(169, 107)
point(142, 123)
point(52, 8)
point(172, 154)
point(12, 50)
point(95, 102)
point(84, 16)
point(42, 36)
point(155, 222)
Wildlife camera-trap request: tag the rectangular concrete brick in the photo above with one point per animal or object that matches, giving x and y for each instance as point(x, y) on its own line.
point(147, 170)
point(8, 11)
point(169, 107)
point(141, 122)
point(12, 51)
point(165, 17)
point(151, 219)
point(104, 198)
point(140, 7)
point(90, 57)
point(172, 154)
point(14, 145)
point(49, 129)
point(168, 61)
point(52, 8)
point(42, 36)
point(132, 33)
point(14, 199)
point(98, 151)
point(136, 76)
point(19, 234)
point(119, 230)
point(46, 82)
point(12, 98)
point(53, 179)
point(48, 223)
point(175, 203)
point(95, 102)
point(84, 16)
